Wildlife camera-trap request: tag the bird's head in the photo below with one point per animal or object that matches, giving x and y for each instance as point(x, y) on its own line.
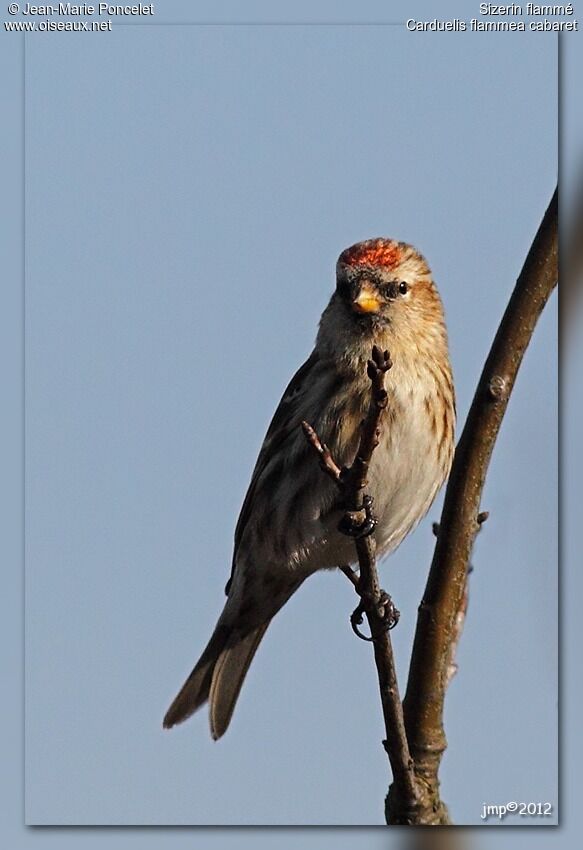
point(384, 280)
point(384, 291)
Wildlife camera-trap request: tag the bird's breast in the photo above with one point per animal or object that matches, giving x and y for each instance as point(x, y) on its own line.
point(410, 462)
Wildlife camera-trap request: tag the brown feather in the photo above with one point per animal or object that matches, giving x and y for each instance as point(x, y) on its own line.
point(195, 691)
point(228, 675)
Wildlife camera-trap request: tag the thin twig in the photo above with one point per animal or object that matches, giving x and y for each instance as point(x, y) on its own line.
point(350, 574)
point(327, 462)
point(374, 603)
point(355, 482)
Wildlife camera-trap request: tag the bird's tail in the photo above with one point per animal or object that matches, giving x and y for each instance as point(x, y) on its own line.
point(217, 677)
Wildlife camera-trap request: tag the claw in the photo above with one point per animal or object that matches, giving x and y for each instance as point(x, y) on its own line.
point(352, 523)
point(391, 614)
point(386, 611)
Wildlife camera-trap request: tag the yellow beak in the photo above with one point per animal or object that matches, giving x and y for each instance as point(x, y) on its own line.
point(367, 300)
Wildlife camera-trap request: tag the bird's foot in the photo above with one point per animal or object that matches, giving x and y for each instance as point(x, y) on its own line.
point(389, 614)
point(353, 524)
point(383, 609)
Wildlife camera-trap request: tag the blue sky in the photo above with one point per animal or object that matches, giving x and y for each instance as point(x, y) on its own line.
point(164, 161)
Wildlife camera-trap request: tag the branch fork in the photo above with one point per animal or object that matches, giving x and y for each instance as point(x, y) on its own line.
point(415, 737)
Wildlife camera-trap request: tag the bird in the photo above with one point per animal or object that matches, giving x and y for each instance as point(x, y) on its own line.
point(287, 529)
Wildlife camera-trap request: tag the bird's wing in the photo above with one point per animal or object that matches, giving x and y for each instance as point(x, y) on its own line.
point(281, 426)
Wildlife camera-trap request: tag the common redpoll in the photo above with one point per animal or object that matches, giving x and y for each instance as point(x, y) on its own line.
point(288, 526)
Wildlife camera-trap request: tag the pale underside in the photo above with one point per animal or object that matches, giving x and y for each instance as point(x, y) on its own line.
point(290, 521)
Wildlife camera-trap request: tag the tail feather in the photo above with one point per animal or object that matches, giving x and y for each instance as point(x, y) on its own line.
point(195, 691)
point(221, 669)
point(217, 677)
point(228, 676)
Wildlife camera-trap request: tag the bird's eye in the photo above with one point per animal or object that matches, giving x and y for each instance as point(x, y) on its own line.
point(403, 288)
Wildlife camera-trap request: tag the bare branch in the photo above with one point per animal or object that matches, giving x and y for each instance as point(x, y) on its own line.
point(350, 574)
point(458, 627)
point(415, 736)
point(442, 603)
point(374, 603)
point(377, 367)
point(327, 463)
